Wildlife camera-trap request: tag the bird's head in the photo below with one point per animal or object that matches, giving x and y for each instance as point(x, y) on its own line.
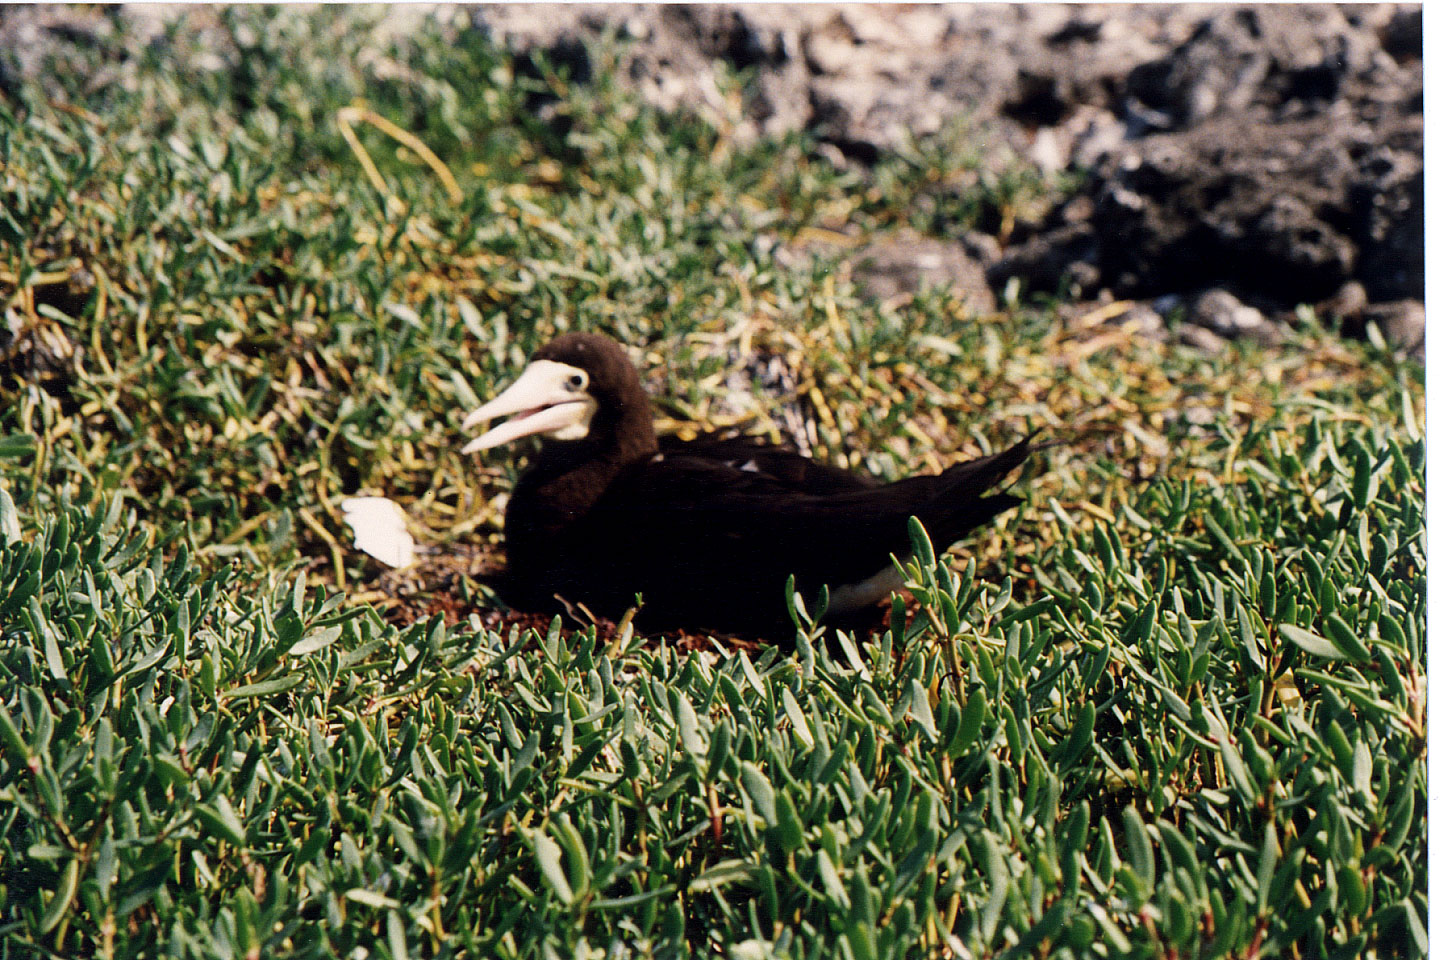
point(577, 386)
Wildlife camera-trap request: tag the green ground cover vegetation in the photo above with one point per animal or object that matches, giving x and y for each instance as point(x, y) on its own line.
point(1173, 706)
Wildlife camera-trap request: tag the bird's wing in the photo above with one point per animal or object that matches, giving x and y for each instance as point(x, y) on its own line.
point(791, 470)
point(746, 520)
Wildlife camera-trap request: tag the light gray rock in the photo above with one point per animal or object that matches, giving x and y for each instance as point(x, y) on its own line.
point(1142, 320)
point(1221, 312)
point(1201, 339)
point(901, 264)
point(1346, 303)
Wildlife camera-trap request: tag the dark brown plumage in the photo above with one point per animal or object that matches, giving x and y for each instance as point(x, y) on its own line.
point(708, 531)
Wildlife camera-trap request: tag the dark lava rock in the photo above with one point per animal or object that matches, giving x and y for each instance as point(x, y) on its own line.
point(1253, 55)
point(1059, 261)
point(1401, 36)
point(38, 350)
point(1276, 151)
point(1389, 217)
point(1285, 210)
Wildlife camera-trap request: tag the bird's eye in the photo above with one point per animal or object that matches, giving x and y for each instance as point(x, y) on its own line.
point(576, 381)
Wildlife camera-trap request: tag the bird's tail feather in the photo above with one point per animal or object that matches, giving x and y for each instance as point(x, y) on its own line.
point(974, 477)
point(959, 506)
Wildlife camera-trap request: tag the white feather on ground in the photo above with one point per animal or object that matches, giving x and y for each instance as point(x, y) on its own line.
point(380, 529)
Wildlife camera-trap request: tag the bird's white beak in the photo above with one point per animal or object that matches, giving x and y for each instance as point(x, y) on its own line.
point(549, 398)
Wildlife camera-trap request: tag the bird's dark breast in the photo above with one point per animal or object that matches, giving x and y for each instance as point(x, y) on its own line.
point(547, 553)
point(567, 544)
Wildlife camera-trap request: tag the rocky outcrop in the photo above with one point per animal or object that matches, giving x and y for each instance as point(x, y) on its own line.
point(1278, 153)
point(1269, 152)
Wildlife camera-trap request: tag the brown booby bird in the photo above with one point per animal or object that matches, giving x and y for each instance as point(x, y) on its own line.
point(706, 531)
